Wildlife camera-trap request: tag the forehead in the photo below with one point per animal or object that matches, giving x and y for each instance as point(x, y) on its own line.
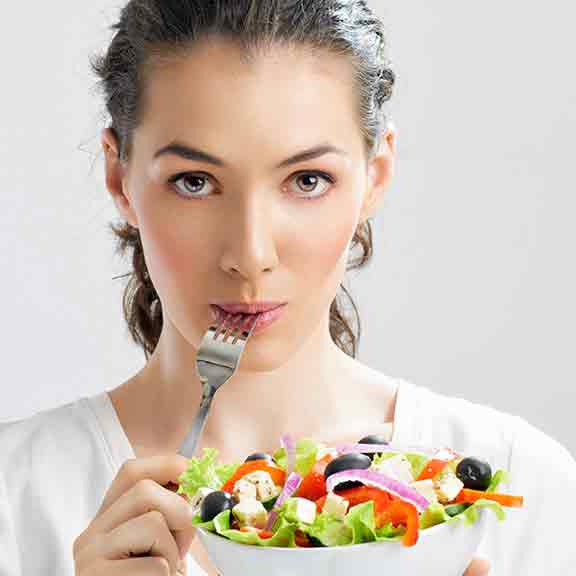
point(284, 96)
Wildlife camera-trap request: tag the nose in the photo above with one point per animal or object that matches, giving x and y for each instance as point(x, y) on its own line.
point(250, 247)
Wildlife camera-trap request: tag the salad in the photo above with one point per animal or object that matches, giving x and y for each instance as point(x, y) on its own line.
point(309, 494)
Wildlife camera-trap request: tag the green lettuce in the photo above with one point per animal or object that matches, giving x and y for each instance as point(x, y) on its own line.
point(329, 530)
point(417, 461)
point(471, 514)
point(436, 513)
point(499, 477)
point(357, 527)
point(204, 471)
point(306, 451)
point(283, 536)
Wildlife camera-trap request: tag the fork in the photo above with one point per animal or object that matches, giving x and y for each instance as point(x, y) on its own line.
point(217, 359)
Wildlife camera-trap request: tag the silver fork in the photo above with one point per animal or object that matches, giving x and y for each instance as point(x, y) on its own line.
point(216, 361)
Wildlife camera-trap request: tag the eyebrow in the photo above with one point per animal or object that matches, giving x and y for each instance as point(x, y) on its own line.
point(188, 153)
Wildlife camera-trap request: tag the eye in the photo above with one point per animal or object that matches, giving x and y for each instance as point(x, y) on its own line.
point(189, 184)
point(310, 184)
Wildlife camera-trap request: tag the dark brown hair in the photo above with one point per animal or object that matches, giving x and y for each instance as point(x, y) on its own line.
point(148, 30)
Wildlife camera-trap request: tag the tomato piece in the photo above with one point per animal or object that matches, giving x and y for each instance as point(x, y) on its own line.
point(277, 474)
point(401, 512)
point(433, 467)
point(264, 534)
point(361, 494)
point(467, 495)
point(313, 485)
point(320, 504)
point(301, 539)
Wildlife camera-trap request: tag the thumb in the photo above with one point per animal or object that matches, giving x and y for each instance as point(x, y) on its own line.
point(478, 567)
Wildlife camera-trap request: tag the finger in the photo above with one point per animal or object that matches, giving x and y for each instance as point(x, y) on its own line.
point(163, 468)
point(149, 566)
point(144, 496)
point(478, 567)
point(147, 535)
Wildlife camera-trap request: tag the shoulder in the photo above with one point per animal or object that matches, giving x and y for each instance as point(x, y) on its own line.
point(453, 419)
point(52, 436)
point(474, 427)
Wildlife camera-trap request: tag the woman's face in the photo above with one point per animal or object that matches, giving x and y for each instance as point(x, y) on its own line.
point(252, 225)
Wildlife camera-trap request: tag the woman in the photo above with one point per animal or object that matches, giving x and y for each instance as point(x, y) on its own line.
point(247, 153)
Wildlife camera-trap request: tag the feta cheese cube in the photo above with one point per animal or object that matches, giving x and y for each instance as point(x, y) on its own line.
point(250, 512)
point(324, 450)
point(447, 487)
point(335, 505)
point(397, 467)
point(300, 510)
point(196, 500)
point(244, 489)
point(425, 488)
point(265, 487)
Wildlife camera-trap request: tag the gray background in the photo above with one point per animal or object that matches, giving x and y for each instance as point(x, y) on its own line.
point(471, 290)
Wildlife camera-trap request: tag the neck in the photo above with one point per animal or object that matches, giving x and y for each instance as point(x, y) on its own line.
point(309, 392)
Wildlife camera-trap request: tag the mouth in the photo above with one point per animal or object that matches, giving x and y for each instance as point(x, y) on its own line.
point(264, 318)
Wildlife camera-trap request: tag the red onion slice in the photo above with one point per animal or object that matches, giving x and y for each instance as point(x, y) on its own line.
point(377, 448)
point(379, 480)
point(290, 486)
point(287, 442)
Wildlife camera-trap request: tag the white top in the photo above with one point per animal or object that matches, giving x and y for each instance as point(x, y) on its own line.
point(56, 466)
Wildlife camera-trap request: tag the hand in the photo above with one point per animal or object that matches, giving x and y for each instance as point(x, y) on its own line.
point(478, 567)
point(142, 526)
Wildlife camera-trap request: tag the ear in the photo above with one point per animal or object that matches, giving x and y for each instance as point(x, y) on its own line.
point(380, 172)
point(115, 177)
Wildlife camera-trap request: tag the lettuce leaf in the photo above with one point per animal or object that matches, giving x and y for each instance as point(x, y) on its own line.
point(283, 537)
point(499, 477)
point(434, 514)
point(471, 514)
point(204, 471)
point(306, 450)
point(417, 461)
point(329, 530)
point(360, 519)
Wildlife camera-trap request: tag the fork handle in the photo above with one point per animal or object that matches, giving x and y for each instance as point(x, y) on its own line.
point(188, 448)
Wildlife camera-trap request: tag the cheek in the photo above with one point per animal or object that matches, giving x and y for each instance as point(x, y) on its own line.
point(177, 252)
point(320, 248)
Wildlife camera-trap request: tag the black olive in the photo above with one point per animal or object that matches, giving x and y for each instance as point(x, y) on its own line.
point(351, 461)
point(260, 456)
point(474, 473)
point(214, 503)
point(372, 439)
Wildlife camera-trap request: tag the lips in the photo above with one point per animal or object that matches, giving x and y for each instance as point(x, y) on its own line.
point(242, 308)
point(263, 320)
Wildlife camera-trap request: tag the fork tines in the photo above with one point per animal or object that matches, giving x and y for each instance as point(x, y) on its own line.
point(234, 329)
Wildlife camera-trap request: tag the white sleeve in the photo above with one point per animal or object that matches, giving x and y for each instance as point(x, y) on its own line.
point(9, 557)
point(544, 472)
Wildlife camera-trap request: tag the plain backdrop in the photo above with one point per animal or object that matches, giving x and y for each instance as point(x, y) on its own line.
point(471, 289)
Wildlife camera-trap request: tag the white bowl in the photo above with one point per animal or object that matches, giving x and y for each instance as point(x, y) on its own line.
point(442, 550)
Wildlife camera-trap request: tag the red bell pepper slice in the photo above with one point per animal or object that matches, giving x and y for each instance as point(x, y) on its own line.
point(361, 494)
point(433, 467)
point(277, 474)
point(467, 495)
point(401, 512)
point(313, 485)
point(301, 539)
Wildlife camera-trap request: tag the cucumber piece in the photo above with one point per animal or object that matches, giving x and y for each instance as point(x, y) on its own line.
point(455, 509)
point(269, 504)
